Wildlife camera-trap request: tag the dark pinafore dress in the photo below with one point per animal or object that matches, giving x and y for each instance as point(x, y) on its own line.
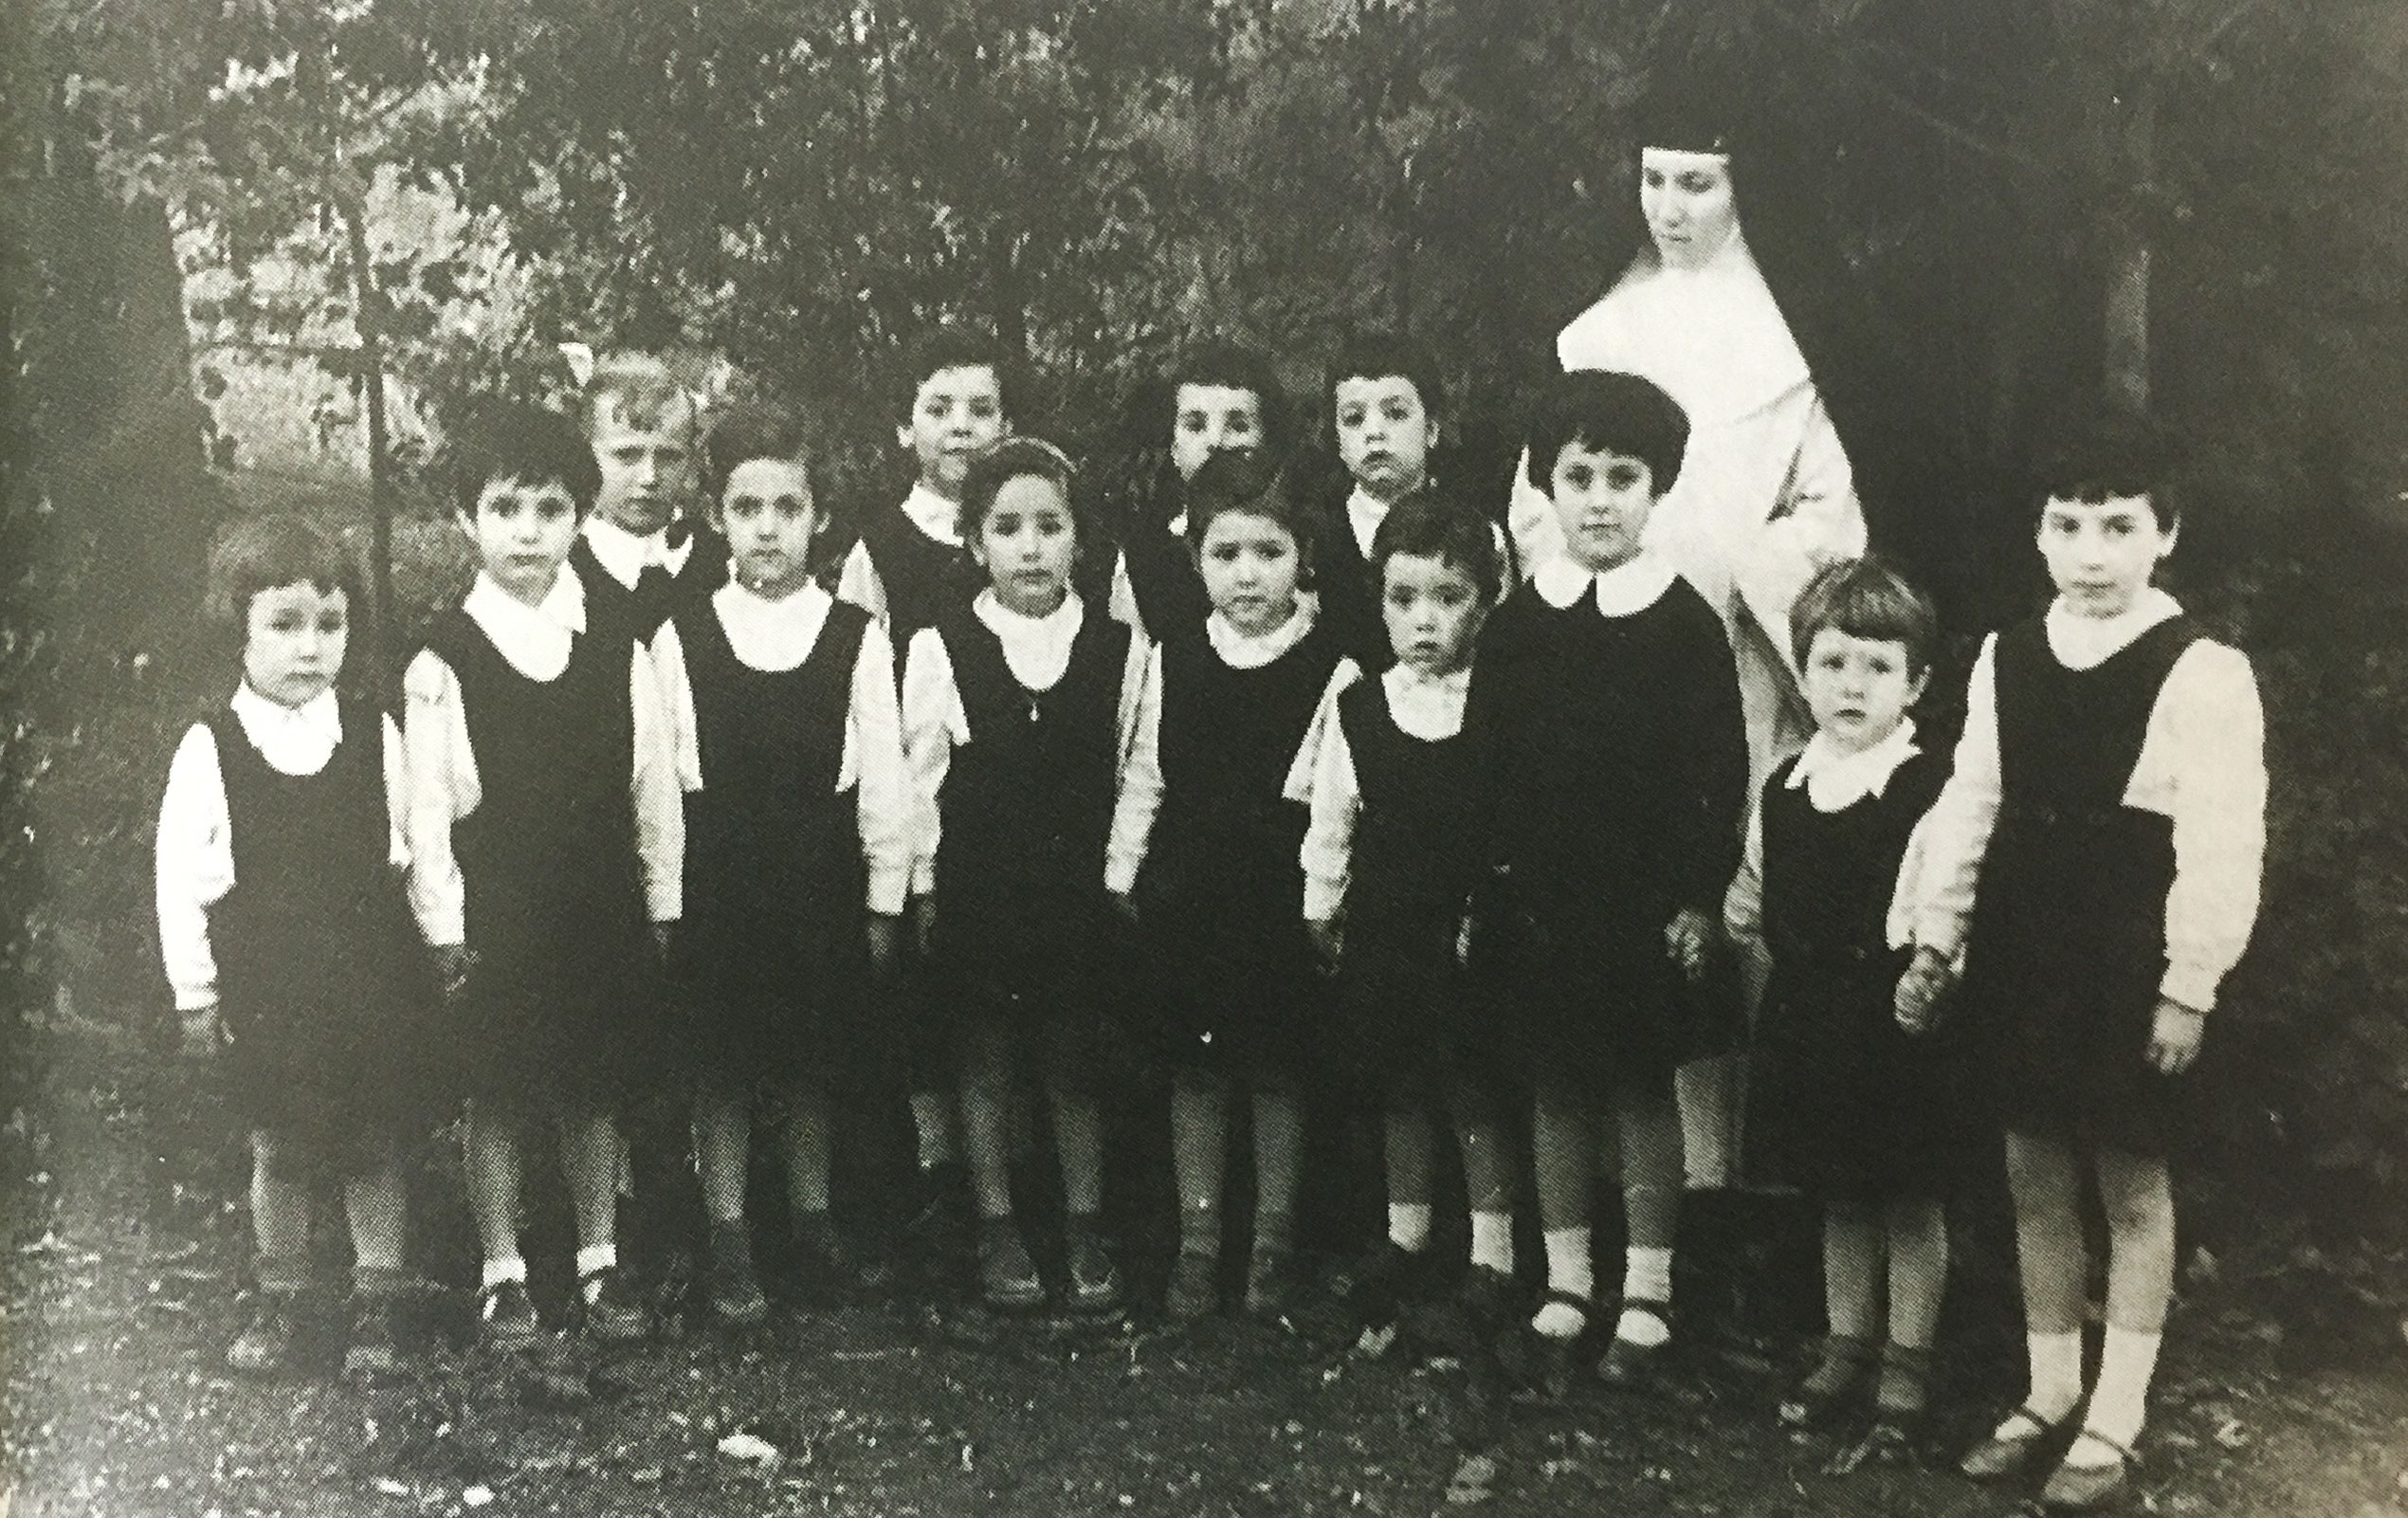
point(769, 963)
point(2067, 946)
point(323, 984)
point(1221, 891)
point(925, 581)
point(1170, 592)
point(1026, 808)
point(1843, 1102)
point(562, 1002)
point(1349, 591)
point(1417, 854)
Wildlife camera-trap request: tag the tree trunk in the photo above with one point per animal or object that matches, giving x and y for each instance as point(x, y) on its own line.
point(2126, 376)
point(368, 301)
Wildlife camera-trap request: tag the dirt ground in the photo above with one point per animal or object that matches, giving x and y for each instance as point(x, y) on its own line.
point(126, 1251)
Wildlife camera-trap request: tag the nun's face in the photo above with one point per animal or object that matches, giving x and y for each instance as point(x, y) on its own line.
point(1687, 199)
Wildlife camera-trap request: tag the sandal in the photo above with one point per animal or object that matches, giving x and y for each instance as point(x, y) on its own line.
point(1545, 1361)
point(2090, 1488)
point(1007, 1277)
point(2004, 1454)
point(1194, 1291)
point(1628, 1364)
point(1848, 1359)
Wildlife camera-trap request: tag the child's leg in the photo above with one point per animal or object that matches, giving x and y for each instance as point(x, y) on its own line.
point(493, 1164)
point(589, 1158)
point(1562, 1144)
point(1410, 1146)
point(1917, 1233)
point(1652, 1179)
point(934, 1129)
point(2042, 1181)
point(1279, 1161)
point(1851, 1271)
point(377, 1204)
point(2139, 1199)
point(1488, 1183)
point(722, 1147)
point(986, 1112)
point(1078, 1134)
point(1199, 1158)
point(806, 1144)
point(279, 1214)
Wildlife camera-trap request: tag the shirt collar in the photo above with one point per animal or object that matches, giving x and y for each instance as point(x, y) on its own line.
point(562, 608)
point(1835, 779)
point(1062, 621)
point(1403, 679)
point(627, 556)
point(1629, 587)
point(934, 515)
point(746, 602)
point(1240, 651)
point(320, 717)
point(2083, 641)
point(1365, 513)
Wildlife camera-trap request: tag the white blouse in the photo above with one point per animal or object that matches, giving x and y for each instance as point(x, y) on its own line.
point(776, 636)
point(1425, 707)
point(443, 788)
point(937, 517)
point(1037, 652)
point(1141, 774)
point(2203, 764)
point(1833, 781)
point(194, 861)
point(626, 557)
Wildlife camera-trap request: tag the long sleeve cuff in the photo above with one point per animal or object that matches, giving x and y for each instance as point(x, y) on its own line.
point(1323, 895)
point(2193, 985)
point(889, 888)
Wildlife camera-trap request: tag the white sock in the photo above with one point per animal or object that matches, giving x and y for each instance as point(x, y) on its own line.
point(596, 1257)
point(1568, 1271)
point(1647, 1276)
point(512, 1268)
point(1408, 1226)
point(2056, 1375)
point(1493, 1241)
point(2119, 1403)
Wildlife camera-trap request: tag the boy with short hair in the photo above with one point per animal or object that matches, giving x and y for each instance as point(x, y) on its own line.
point(638, 552)
point(2098, 854)
point(910, 569)
point(544, 819)
point(1383, 395)
point(1615, 763)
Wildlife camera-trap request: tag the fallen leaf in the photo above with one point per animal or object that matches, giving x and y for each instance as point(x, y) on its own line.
point(475, 1496)
point(750, 1447)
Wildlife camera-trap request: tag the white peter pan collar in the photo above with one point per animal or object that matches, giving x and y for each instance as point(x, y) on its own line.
point(314, 726)
point(517, 628)
point(627, 556)
point(1014, 627)
point(2084, 642)
point(1630, 587)
point(934, 515)
point(1241, 650)
point(1835, 779)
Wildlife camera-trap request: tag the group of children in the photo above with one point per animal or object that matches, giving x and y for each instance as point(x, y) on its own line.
point(1373, 806)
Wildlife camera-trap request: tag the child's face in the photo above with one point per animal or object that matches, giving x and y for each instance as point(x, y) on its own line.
point(767, 514)
point(1858, 689)
point(2101, 555)
point(1433, 610)
point(648, 463)
point(1208, 419)
point(292, 641)
point(1025, 543)
point(1384, 434)
point(1602, 501)
point(524, 533)
point(954, 415)
point(1687, 202)
point(1250, 564)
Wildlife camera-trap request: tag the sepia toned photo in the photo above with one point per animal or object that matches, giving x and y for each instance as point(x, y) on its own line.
point(1204, 756)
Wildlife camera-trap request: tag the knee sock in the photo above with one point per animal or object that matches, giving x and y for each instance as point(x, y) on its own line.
point(596, 1257)
point(499, 1272)
point(1647, 1276)
point(1493, 1241)
point(2057, 1373)
point(1568, 1271)
point(1408, 1226)
point(2119, 1403)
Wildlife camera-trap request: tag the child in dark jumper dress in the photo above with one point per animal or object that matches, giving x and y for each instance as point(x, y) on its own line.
point(286, 933)
point(1018, 709)
point(1862, 1114)
point(1204, 855)
point(2109, 796)
point(548, 834)
point(789, 743)
point(1390, 862)
point(1606, 705)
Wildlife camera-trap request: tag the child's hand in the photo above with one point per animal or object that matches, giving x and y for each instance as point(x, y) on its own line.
point(204, 1031)
point(2174, 1036)
point(662, 932)
point(452, 963)
point(1125, 903)
point(1920, 989)
point(885, 943)
point(924, 924)
point(1328, 942)
point(1686, 938)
